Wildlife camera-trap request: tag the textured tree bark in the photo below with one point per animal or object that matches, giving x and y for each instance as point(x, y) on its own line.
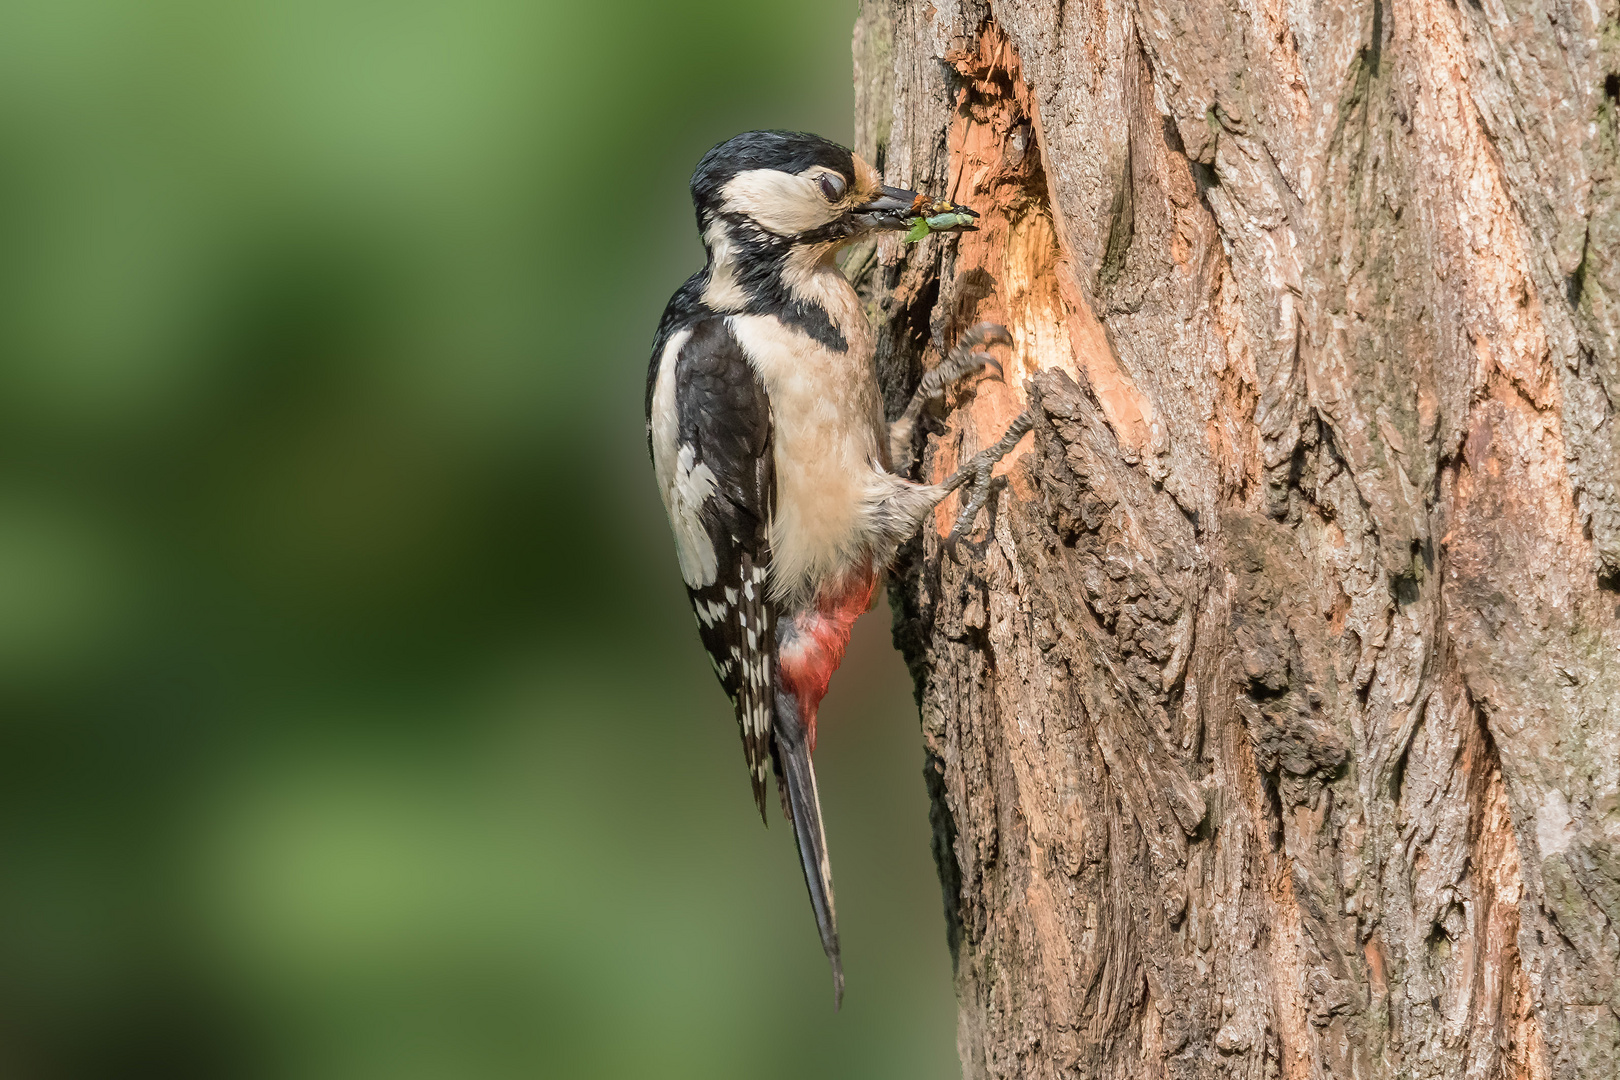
point(1273, 720)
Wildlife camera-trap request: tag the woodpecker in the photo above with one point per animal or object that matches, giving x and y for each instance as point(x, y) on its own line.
point(766, 431)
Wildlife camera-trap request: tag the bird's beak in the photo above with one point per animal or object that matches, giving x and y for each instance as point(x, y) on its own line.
point(892, 209)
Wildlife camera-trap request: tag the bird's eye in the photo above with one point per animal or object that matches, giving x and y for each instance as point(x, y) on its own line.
point(832, 186)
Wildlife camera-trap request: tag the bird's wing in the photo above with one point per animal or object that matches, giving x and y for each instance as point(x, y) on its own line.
point(722, 493)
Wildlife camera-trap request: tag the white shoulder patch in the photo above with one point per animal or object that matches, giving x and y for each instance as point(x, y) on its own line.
point(663, 421)
point(682, 484)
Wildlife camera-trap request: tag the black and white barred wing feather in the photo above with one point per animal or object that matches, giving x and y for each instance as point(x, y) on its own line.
point(710, 423)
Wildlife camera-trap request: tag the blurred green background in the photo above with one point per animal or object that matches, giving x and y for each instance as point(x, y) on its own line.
point(353, 721)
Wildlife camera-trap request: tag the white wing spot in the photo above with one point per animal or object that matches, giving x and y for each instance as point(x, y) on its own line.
point(689, 489)
point(709, 612)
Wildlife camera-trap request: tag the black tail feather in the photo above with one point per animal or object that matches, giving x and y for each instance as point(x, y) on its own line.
point(798, 775)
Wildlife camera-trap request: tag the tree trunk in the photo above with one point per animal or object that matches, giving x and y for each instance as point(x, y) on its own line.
point(1273, 713)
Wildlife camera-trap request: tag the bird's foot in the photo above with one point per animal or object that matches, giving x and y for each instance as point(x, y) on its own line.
point(977, 476)
point(968, 358)
point(963, 362)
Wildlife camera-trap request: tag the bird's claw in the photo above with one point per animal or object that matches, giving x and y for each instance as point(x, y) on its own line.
point(967, 359)
point(985, 333)
point(978, 495)
point(979, 478)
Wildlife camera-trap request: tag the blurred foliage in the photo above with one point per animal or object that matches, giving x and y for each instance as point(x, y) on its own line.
point(352, 721)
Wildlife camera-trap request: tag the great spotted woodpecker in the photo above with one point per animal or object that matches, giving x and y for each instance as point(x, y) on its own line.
point(767, 436)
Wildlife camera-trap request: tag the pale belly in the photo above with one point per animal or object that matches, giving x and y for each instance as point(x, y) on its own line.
point(828, 430)
point(826, 473)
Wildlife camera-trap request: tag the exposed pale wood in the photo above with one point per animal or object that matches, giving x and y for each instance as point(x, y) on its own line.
point(1273, 725)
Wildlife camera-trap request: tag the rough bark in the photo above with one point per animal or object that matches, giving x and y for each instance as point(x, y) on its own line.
point(1273, 720)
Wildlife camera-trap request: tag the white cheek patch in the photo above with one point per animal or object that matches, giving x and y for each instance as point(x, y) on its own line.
point(778, 202)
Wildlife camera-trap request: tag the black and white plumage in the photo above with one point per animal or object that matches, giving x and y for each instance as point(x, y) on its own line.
point(720, 494)
point(766, 431)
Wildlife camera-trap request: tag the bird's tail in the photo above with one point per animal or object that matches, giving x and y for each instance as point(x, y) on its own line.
point(798, 776)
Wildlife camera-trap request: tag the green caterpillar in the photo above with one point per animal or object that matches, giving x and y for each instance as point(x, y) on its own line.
point(955, 217)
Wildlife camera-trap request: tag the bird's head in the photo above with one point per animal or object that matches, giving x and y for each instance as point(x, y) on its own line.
point(787, 189)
